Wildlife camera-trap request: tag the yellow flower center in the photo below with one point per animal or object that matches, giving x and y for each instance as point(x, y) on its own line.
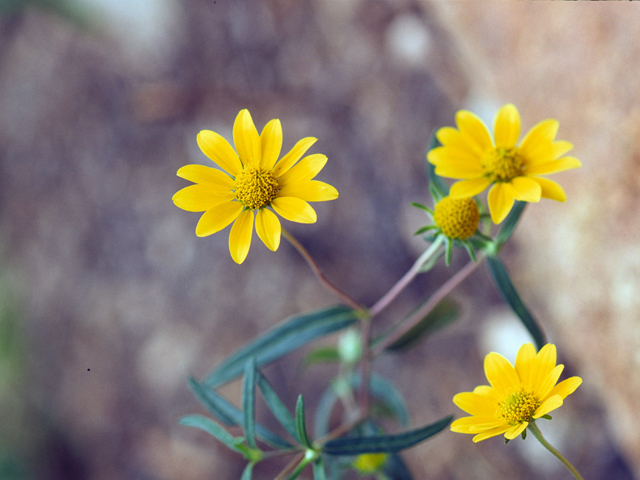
point(502, 165)
point(518, 407)
point(457, 217)
point(256, 188)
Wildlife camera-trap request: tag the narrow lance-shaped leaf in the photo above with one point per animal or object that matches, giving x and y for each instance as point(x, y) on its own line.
point(248, 401)
point(384, 443)
point(301, 426)
point(509, 293)
point(318, 470)
point(276, 406)
point(282, 339)
point(230, 415)
point(248, 470)
point(212, 428)
point(510, 222)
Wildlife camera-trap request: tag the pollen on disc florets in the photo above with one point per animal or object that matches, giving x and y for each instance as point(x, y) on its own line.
point(518, 407)
point(256, 188)
point(457, 217)
point(502, 165)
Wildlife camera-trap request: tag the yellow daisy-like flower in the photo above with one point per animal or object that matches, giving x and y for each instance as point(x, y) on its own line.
point(516, 395)
point(252, 180)
point(368, 463)
point(470, 154)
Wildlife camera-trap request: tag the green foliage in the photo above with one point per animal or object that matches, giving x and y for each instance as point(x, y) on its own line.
point(279, 410)
point(387, 394)
point(510, 223)
point(503, 282)
point(282, 339)
point(248, 401)
point(301, 424)
point(384, 443)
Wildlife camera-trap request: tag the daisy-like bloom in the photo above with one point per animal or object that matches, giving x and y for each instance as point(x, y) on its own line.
point(471, 155)
point(516, 396)
point(251, 183)
point(457, 218)
point(368, 463)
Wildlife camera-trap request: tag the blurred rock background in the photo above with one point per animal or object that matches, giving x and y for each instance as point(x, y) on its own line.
point(110, 301)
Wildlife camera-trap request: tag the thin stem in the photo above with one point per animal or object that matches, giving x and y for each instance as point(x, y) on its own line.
point(291, 466)
point(538, 434)
point(406, 279)
point(318, 273)
point(365, 366)
point(419, 314)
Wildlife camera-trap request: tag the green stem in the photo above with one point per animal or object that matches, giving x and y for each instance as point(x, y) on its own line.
point(538, 434)
point(318, 273)
point(406, 279)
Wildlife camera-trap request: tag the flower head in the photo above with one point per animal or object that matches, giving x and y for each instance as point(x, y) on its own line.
point(457, 218)
point(252, 181)
point(470, 154)
point(516, 396)
point(368, 463)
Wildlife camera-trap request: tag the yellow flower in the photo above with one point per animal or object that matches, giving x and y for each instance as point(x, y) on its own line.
point(457, 217)
point(253, 180)
point(516, 395)
point(470, 154)
point(367, 463)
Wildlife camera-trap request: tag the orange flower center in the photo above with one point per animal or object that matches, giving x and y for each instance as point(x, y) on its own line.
point(502, 165)
point(457, 217)
point(256, 188)
point(518, 407)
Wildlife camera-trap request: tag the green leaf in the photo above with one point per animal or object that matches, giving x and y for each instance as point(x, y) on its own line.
point(384, 443)
point(396, 469)
point(282, 339)
point(212, 428)
point(276, 405)
point(323, 412)
point(510, 295)
point(384, 391)
point(301, 426)
point(423, 207)
point(318, 470)
point(510, 222)
point(321, 355)
point(249, 401)
point(248, 470)
point(426, 228)
point(443, 314)
point(230, 415)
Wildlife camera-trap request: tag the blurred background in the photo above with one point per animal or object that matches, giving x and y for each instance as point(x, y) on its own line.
point(108, 300)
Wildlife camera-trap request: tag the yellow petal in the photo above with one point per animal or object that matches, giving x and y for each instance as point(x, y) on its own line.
point(475, 404)
point(268, 228)
point(271, 143)
point(554, 166)
point(294, 209)
point(456, 164)
point(538, 141)
point(449, 137)
point(507, 127)
point(472, 127)
point(217, 218)
point(468, 188)
point(220, 181)
point(199, 198)
point(526, 355)
point(516, 430)
point(311, 191)
point(491, 433)
point(546, 385)
point(304, 170)
point(548, 405)
point(559, 148)
point(219, 151)
point(247, 140)
point(566, 387)
point(526, 189)
point(293, 156)
point(475, 424)
point(240, 236)
point(542, 366)
point(500, 200)
point(500, 373)
point(550, 189)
